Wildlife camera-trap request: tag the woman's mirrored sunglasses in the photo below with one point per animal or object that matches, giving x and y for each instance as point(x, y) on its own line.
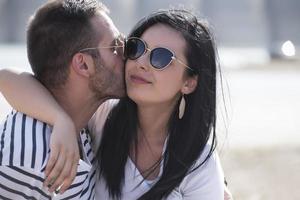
point(160, 57)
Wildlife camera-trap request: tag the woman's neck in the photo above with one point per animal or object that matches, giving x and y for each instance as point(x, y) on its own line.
point(152, 132)
point(153, 121)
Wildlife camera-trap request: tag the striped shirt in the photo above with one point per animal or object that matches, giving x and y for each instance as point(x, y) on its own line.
point(24, 151)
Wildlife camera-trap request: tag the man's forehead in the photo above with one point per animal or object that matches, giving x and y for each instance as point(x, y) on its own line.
point(106, 28)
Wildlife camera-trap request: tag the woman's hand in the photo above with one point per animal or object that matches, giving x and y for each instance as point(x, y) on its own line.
point(64, 156)
point(227, 194)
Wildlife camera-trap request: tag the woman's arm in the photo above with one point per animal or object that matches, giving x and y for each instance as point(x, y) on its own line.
point(24, 93)
point(21, 91)
point(206, 182)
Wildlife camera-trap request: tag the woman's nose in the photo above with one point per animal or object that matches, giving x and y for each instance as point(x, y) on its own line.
point(143, 61)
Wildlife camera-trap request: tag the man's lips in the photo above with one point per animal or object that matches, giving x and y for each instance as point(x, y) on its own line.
point(138, 79)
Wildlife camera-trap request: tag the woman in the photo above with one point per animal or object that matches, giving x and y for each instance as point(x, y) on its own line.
point(164, 141)
point(155, 142)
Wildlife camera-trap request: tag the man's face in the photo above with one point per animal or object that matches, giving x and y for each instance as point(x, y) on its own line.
point(108, 80)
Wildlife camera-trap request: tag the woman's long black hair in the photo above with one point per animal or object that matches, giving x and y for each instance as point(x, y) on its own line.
point(187, 136)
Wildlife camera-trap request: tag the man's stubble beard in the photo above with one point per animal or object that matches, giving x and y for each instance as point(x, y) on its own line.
point(105, 83)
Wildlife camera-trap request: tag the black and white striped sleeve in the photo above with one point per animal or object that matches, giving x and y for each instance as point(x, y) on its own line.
point(22, 183)
point(24, 151)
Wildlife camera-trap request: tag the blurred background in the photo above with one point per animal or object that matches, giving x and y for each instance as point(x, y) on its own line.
point(259, 45)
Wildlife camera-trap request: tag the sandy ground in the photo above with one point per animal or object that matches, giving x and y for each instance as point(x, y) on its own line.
point(263, 173)
point(261, 153)
point(4, 108)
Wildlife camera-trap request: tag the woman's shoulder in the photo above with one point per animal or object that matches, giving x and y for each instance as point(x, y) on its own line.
point(98, 120)
point(205, 178)
point(209, 154)
point(102, 112)
point(106, 107)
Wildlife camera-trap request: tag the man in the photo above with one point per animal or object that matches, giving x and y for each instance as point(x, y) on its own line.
point(73, 49)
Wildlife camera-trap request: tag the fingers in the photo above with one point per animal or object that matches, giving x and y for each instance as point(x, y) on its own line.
point(68, 181)
point(64, 152)
point(227, 194)
point(62, 174)
point(52, 160)
point(55, 172)
point(65, 175)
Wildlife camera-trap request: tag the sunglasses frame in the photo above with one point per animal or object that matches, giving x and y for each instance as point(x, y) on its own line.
point(146, 48)
point(121, 36)
point(107, 47)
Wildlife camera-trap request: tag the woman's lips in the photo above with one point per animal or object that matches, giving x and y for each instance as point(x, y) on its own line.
point(138, 79)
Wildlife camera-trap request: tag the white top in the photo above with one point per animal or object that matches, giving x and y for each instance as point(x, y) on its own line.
point(205, 183)
point(24, 151)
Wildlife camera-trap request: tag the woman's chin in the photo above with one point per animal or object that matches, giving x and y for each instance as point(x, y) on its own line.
point(137, 98)
point(140, 98)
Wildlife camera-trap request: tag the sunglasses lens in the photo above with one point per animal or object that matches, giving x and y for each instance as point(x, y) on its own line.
point(160, 57)
point(134, 48)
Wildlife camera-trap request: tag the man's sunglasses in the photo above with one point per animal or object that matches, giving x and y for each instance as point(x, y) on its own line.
point(117, 48)
point(160, 57)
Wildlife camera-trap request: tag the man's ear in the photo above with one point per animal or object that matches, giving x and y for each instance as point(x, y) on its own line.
point(83, 64)
point(189, 85)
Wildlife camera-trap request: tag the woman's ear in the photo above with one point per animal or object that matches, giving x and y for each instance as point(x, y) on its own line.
point(83, 64)
point(189, 85)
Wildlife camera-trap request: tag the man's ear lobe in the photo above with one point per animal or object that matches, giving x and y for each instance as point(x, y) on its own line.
point(189, 85)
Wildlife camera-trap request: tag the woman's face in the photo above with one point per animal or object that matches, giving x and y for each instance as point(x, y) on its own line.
point(145, 84)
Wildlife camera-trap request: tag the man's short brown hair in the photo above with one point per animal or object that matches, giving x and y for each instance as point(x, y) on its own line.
point(57, 31)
